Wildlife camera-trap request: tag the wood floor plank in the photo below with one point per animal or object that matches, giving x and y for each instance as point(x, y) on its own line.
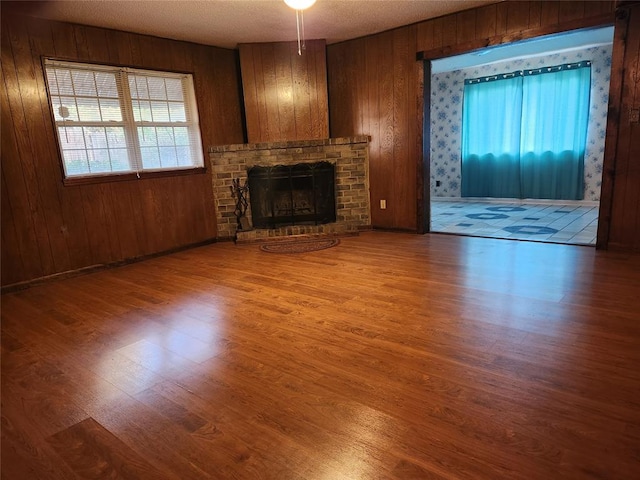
point(94, 453)
point(390, 356)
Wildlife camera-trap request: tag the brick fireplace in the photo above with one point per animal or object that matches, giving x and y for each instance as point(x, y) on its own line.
point(349, 155)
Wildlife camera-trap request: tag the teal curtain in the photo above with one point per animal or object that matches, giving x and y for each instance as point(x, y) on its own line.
point(554, 132)
point(524, 133)
point(491, 148)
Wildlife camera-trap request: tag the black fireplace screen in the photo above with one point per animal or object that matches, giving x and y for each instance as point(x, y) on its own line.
point(302, 194)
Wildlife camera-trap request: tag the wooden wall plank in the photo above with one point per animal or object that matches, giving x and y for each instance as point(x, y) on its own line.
point(569, 11)
point(382, 169)
point(322, 88)
point(404, 180)
point(517, 16)
point(449, 29)
point(373, 123)
point(284, 91)
point(592, 9)
point(39, 119)
point(318, 106)
point(227, 98)
point(282, 81)
point(535, 14)
point(52, 228)
point(550, 13)
point(360, 65)
point(415, 110)
point(486, 22)
point(274, 130)
point(300, 92)
point(340, 118)
point(12, 253)
point(263, 100)
point(22, 177)
point(502, 18)
point(466, 26)
point(425, 35)
point(250, 87)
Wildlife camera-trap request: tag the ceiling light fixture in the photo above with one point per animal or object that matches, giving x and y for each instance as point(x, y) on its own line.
point(299, 6)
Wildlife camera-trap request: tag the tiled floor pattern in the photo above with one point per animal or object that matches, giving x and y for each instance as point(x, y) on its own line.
point(556, 223)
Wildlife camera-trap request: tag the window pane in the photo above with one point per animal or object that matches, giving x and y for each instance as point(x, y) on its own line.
point(75, 162)
point(177, 113)
point(53, 82)
point(106, 83)
point(141, 111)
point(65, 109)
point(95, 137)
point(160, 111)
point(184, 156)
point(168, 157)
point(99, 161)
point(181, 135)
point(88, 109)
point(71, 138)
point(138, 87)
point(156, 88)
point(65, 87)
point(116, 137)
point(165, 136)
point(174, 89)
point(110, 110)
point(83, 83)
point(150, 157)
point(147, 136)
point(119, 160)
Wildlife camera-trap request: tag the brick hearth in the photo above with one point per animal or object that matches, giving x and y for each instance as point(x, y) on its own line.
point(349, 154)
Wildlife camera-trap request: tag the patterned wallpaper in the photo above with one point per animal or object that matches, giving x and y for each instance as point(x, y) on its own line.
point(446, 116)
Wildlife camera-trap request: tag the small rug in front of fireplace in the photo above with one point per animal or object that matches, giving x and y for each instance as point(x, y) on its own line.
point(299, 246)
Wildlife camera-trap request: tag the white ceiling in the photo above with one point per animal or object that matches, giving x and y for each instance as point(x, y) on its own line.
point(225, 23)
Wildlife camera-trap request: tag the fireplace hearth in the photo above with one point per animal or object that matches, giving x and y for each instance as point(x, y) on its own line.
point(301, 194)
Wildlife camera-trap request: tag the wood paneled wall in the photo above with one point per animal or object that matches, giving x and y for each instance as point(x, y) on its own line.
point(376, 87)
point(619, 223)
point(375, 90)
point(285, 94)
point(48, 228)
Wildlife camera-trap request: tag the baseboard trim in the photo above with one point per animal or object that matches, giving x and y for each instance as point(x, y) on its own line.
point(13, 287)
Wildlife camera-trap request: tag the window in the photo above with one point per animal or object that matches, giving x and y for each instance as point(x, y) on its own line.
point(113, 120)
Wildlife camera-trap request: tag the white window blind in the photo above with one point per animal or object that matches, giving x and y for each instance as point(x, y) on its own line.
point(113, 120)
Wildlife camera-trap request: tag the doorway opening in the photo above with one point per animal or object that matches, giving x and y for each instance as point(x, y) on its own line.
point(457, 209)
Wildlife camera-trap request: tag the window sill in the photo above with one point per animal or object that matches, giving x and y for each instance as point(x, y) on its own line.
point(129, 176)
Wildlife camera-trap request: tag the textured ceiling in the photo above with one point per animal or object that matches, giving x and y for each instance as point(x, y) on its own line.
point(226, 23)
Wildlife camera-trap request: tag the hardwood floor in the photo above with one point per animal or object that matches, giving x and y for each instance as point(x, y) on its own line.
point(390, 356)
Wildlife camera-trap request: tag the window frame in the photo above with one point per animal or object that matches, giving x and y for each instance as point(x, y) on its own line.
point(129, 124)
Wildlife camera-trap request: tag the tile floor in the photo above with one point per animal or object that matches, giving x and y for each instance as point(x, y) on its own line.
point(554, 222)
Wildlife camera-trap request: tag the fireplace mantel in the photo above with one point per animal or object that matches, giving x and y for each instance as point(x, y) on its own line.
point(350, 155)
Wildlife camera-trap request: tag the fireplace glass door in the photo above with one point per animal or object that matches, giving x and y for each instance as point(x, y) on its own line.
point(302, 194)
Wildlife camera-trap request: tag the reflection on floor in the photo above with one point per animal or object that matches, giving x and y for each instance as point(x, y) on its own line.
point(555, 222)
